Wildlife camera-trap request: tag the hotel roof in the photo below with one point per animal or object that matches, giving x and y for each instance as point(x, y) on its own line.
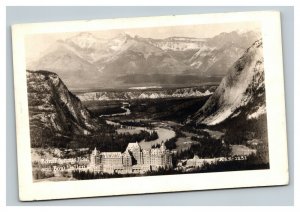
point(111, 154)
point(132, 146)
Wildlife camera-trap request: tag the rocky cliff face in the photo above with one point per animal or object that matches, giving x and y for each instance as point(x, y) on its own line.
point(240, 94)
point(53, 109)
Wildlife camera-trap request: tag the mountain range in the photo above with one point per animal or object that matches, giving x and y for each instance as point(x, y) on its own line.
point(133, 94)
point(85, 60)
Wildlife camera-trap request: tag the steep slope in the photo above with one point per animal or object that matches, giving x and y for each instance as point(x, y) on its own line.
point(221, 51)
point(54, 110)
point(89, 47)
point(136, 56)
point(241, 92)
point(238, 38)
point(61, 57)
point(67, 63)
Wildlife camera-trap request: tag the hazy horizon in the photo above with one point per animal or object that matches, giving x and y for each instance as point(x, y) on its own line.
point(41, 42)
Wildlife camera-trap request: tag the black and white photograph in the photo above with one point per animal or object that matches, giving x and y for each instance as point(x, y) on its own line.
point(138, 102)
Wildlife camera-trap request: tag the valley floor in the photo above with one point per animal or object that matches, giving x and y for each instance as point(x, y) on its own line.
point(165, 117)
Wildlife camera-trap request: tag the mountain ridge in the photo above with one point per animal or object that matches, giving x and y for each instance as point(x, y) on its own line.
point(54, 110)
point(96, 60)
point(146, 94)
point(242, 86)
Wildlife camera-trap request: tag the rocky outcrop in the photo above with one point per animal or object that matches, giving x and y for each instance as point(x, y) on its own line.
point(53, 109)
point(240, 94)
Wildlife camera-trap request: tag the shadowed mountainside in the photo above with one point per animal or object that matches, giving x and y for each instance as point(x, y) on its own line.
point(54, 110)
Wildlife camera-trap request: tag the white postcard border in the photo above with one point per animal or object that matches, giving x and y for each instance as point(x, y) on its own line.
point(276, 175)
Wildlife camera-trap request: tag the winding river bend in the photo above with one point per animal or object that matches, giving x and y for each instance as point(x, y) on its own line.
point(124, 107)
point(164, 131)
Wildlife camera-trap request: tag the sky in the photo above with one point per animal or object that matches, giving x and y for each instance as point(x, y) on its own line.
point(38, 43)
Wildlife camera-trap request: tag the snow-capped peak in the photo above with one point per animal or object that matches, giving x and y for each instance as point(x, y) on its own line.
point(84, 40)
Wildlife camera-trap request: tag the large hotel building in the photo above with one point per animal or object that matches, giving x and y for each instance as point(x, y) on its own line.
point(132, 160)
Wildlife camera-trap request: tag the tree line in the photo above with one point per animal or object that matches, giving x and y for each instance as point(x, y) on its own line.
point(105, 141)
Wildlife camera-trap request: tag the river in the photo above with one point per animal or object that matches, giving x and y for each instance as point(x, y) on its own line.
point(162, 128)
point(162, 132)
point(165, 132)
point(124, 107)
